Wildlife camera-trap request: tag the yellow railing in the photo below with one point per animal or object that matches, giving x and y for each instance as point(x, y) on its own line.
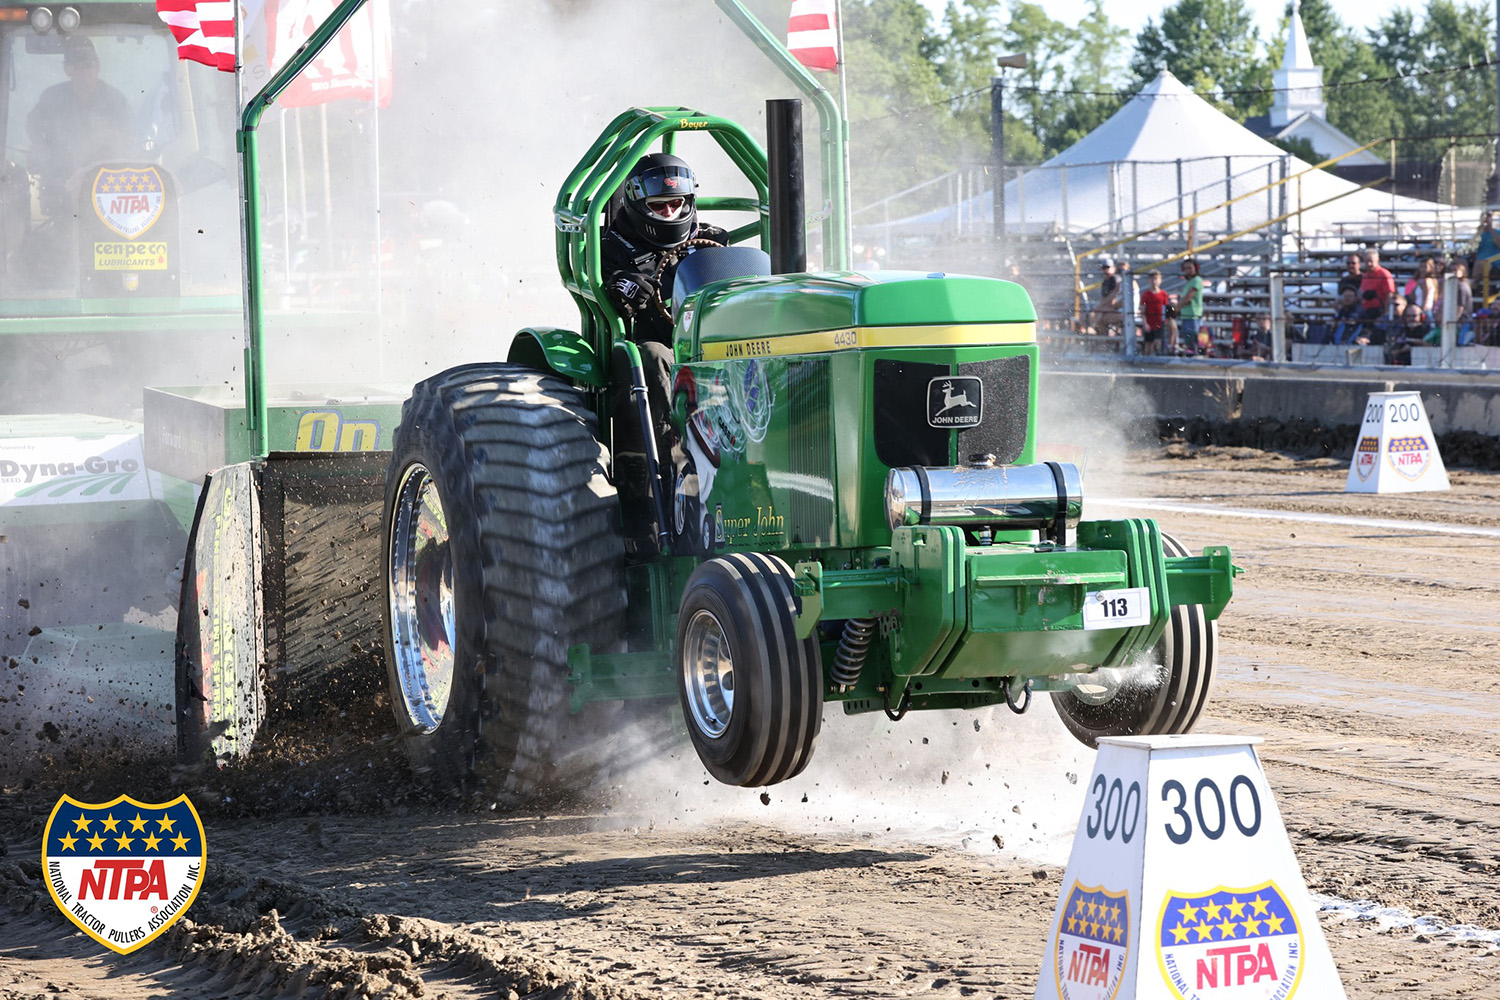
point(1190, 220)
point(1483, 266)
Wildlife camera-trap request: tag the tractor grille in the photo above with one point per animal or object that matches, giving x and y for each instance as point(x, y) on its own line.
point(903, 436)
point(810, 459)
point(1007, 383)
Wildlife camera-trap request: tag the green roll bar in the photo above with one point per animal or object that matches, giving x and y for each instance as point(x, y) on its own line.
point(579, 212)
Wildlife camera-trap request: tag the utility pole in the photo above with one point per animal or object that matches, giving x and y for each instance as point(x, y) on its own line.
point(997, 161)
point(997, 146)
point(1492, 189)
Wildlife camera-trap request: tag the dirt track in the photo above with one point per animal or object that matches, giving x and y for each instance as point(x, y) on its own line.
point(921, 858)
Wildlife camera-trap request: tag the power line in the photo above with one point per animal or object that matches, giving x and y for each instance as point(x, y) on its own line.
point(1395, 77)
point(1128, 94)
point(930, 105)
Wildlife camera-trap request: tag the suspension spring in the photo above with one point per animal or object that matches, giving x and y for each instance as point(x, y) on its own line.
point(854, 646)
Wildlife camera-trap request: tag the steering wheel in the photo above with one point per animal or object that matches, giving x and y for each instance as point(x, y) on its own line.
point(670, 259)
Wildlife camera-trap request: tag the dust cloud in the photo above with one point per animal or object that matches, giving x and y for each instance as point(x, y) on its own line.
point(1095, 421)
point(988, 781)
point(422, 236)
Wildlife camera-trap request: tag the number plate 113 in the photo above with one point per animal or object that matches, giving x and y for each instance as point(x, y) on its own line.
point(1117, 608)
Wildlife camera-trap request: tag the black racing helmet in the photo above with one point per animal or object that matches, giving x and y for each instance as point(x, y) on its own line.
point(659, 200)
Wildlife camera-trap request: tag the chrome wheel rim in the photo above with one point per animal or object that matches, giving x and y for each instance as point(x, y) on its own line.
point(421, 600)
point(708, 670)
point(1096, 691)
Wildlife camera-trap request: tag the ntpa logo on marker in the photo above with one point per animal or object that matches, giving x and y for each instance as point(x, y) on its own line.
point(123, 870)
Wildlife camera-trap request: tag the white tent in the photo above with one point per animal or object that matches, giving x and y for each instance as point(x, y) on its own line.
point(1167, 154)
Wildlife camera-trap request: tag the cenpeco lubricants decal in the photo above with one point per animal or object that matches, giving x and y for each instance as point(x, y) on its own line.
point(45, 471)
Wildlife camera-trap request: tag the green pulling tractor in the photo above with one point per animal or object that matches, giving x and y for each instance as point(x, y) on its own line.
point(850, 512)
point(847, 508)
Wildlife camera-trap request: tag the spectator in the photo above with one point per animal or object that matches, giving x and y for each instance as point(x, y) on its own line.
point(1190, 305)
point(1106, 315)
point(1351, 277)
point(1486, 252)
point(1013, 273)
point(1423, 287)
point(1412, 329)
point(1346, 323)
point(1154, 316)
point(1259, 347)
point(1375, 290)
point(1463, 308)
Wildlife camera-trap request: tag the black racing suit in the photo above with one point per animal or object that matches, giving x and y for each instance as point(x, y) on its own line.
point(634, 260)
point(633, 271)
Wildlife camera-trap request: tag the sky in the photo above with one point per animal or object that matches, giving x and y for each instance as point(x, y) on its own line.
point(1267, 12)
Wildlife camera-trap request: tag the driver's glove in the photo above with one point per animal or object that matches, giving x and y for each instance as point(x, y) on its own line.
point(630, 292)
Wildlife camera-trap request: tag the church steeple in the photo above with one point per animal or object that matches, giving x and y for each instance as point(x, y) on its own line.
point(1299, 82)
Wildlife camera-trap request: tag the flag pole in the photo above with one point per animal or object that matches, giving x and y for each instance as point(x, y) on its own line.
point(838, 23)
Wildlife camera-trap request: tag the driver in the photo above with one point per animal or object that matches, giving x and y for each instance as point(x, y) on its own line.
point(641, 246)
point(74, 124)
point(658, 216)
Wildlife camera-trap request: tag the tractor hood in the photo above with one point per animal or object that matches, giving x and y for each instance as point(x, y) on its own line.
point(783, 305)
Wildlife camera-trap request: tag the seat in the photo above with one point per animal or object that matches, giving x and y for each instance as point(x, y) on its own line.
point(709, 264)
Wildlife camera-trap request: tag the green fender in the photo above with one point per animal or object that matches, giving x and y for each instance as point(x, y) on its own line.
point(563, 351)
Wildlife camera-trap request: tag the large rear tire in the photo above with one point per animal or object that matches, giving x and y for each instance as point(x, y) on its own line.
point(752, 692)
point(501, 550)
point(1165, 698)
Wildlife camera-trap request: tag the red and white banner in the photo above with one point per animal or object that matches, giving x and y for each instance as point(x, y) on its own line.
point(204, 30)
point(356, 64)
point(811, 33)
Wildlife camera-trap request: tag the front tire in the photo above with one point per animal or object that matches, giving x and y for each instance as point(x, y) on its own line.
point(1169, 699)
point(501, 551)
point(752, 692)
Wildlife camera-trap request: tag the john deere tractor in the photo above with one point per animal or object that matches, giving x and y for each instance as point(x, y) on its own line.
point(846, 507)
point(847, 510)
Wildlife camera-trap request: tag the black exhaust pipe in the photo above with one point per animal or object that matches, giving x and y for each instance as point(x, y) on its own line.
point(788, 197)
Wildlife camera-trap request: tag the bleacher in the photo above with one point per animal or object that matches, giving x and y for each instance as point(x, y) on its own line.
point(1237, 293)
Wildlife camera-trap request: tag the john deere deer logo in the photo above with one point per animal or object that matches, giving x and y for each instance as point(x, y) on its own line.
point(955, 401)
point(950, 400)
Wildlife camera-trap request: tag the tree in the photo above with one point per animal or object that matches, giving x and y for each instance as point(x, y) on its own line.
point(1301, 147)
point(1100, 46)
point(972, 39)
point(902, 130)
point(1066, 89)
point(1213, 47)
point(1450, 34)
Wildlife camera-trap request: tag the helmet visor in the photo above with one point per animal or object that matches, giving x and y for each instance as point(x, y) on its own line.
point(668, 208)
point(660, 181)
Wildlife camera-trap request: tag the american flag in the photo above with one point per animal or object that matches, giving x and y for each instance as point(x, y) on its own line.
point(811, 36)
point(204, 30)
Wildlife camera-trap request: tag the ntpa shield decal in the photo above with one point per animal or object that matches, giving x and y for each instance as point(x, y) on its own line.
point(955, 401)
point(1093, 940)
point(123, 871)
point(1409, 456)
point(1243, 944)
point(1366, 455)
point(130, 200)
